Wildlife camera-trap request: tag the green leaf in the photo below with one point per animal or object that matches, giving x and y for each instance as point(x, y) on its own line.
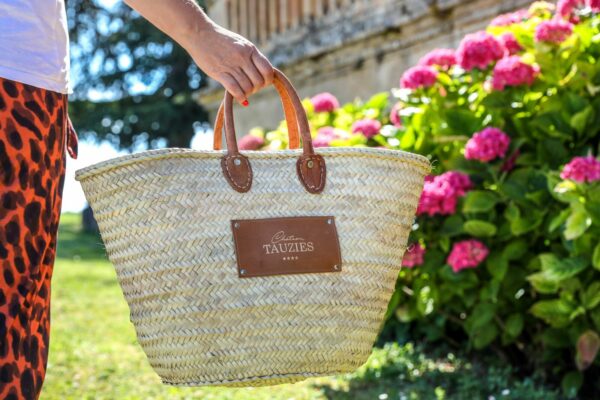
point(515, 249)
point(558, 220)
point(378, 101)
point(480, 201)
point(485, 336)
point(452, 226)
point(481, 316)
point(514, 325)
point(557, 270)
point(497, 265)
point(580, 120)
point(462, 121)
point(408, 139)
point(591, 297)
point(520, 224)
point(394, 301)
point(571, 383)
point(542, 284)
point(480, 228)
point(577, 224)
point(596, 257)
point(555, 313)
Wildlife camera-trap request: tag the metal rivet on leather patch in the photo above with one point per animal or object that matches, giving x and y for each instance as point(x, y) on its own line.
point(236, 225)
point(242, 272)
point(237, 161)
point(336, 267)
point(329, 221)
point(310, 164)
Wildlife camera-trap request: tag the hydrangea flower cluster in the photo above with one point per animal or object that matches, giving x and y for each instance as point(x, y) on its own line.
point(510, 18)
point(487, 145)
point(251, 142)
point(441, 193)
point(395, 115)
point(553, 31)
point(512, 71)
point(467, 254)
point(443, 58)
point(418, 77)
point(565, 8)
point(368, 127)
point(325, 102)
point(582, 169)
point(594, 5)
point(510, 43)
point(413, 256)
point(479, 50)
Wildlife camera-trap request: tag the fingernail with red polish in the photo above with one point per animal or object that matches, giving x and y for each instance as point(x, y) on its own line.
point(245, 103)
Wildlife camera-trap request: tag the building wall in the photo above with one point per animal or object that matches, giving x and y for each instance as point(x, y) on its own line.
point(351, 48)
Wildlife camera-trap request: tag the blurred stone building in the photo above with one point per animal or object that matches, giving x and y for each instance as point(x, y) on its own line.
point(351, 48)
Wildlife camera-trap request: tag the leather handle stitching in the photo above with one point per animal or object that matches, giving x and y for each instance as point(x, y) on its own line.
point(321, 167)
point(247, 184)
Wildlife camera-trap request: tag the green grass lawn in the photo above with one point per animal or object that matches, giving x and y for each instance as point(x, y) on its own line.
point(94, 353)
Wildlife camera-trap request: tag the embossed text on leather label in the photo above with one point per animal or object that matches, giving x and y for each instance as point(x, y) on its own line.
point(288, 245)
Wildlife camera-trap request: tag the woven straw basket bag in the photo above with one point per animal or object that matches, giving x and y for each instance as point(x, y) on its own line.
point(258, 268)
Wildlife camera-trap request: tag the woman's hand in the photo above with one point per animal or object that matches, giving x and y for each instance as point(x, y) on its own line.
point(223, 55)
point(231, 60)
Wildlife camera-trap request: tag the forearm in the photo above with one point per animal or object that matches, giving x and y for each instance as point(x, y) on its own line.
point(182, 20)
point(223, 55)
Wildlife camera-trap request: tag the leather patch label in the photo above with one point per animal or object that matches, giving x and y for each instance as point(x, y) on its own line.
point(292, 245)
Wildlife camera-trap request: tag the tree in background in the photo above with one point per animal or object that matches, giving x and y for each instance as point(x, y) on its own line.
point(133, 85)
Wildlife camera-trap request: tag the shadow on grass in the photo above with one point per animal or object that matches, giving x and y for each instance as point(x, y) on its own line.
point(406, 373)
point(74, 244)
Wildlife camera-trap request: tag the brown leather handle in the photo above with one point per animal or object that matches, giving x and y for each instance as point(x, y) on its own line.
point(310, 167)
point(288, 109)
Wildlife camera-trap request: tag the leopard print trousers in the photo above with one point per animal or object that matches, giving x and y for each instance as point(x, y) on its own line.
point(33, 135)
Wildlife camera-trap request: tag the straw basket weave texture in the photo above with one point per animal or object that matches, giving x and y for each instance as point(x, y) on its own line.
point(164, 216)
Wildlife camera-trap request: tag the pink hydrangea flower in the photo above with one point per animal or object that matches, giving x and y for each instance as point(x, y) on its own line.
point(594, 5)
point(565, 8)
point(250, 142)
point(444, 58)
point(479, 50)
point(510, 43)
point(467, 254)
point(368, 127)
point(327, 134)
point(510, 18)
point(553, 31)
point(582, 169)
point(418, 77)
point(441, 193)
point(487, 145)
point(511, 71)
point(395, 116)
point(324, 102)
point(413, 256)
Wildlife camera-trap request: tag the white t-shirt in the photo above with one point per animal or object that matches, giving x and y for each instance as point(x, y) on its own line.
point(34, 43)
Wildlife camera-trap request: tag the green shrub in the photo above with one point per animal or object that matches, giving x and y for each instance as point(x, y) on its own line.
point(505, 251)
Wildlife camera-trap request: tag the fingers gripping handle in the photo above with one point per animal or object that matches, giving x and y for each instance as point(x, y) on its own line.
point(290, 117)
point(310, 166)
